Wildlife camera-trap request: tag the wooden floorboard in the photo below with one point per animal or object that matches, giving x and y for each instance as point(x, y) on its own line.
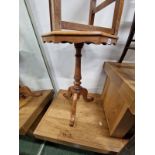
point(90, 130)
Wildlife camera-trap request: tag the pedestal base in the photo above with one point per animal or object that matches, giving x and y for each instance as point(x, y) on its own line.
point(77, 90)
point(75, 94)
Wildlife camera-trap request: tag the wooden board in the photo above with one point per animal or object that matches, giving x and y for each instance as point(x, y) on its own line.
point(90, 130)
point(37, 120)
point(119, 98)
point(30, 108)
point(95, 37)
point(83, 27)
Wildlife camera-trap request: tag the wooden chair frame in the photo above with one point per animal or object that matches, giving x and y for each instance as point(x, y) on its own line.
point(57, 24)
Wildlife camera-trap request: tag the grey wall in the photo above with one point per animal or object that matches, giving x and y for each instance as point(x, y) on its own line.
point(31, 66)
point(61, 56)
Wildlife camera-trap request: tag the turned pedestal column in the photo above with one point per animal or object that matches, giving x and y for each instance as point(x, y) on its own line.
point(76, 90)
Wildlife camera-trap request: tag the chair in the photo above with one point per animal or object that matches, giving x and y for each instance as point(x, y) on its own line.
point(79, 34)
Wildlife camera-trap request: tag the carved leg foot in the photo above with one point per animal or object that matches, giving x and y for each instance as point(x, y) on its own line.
point(25, 91)
point(73, 109)
point(84, 93)
point(68, 94)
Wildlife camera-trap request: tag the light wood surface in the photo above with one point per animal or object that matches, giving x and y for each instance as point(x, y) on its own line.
point(119, 97)
point(89, 132)
point(30, 108)
point(83, 27)
point(96, 37)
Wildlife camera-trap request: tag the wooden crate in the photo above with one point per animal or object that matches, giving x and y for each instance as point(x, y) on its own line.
point(90, 130)
point(119, 97)
point(31, 108)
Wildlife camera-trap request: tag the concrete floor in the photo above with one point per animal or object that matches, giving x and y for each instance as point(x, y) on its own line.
point(31, 146)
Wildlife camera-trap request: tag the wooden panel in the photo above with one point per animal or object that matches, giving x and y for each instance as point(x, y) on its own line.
point(79, 39)
point(103, 5)
point(83, 27)
point(117, 15)
point(91, 13)
point(80, 33)
point(56, 14)
point(90, 130)
point(119, 98)
point(30, 109)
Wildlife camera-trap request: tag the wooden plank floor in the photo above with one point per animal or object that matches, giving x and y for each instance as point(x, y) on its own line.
point(30, 108)
point(90, 130)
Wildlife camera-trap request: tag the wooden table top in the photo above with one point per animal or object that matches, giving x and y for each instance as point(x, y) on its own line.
point(95, 37)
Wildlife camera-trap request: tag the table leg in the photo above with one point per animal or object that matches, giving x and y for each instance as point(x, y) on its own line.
point(73, 109)
point(76, 90)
